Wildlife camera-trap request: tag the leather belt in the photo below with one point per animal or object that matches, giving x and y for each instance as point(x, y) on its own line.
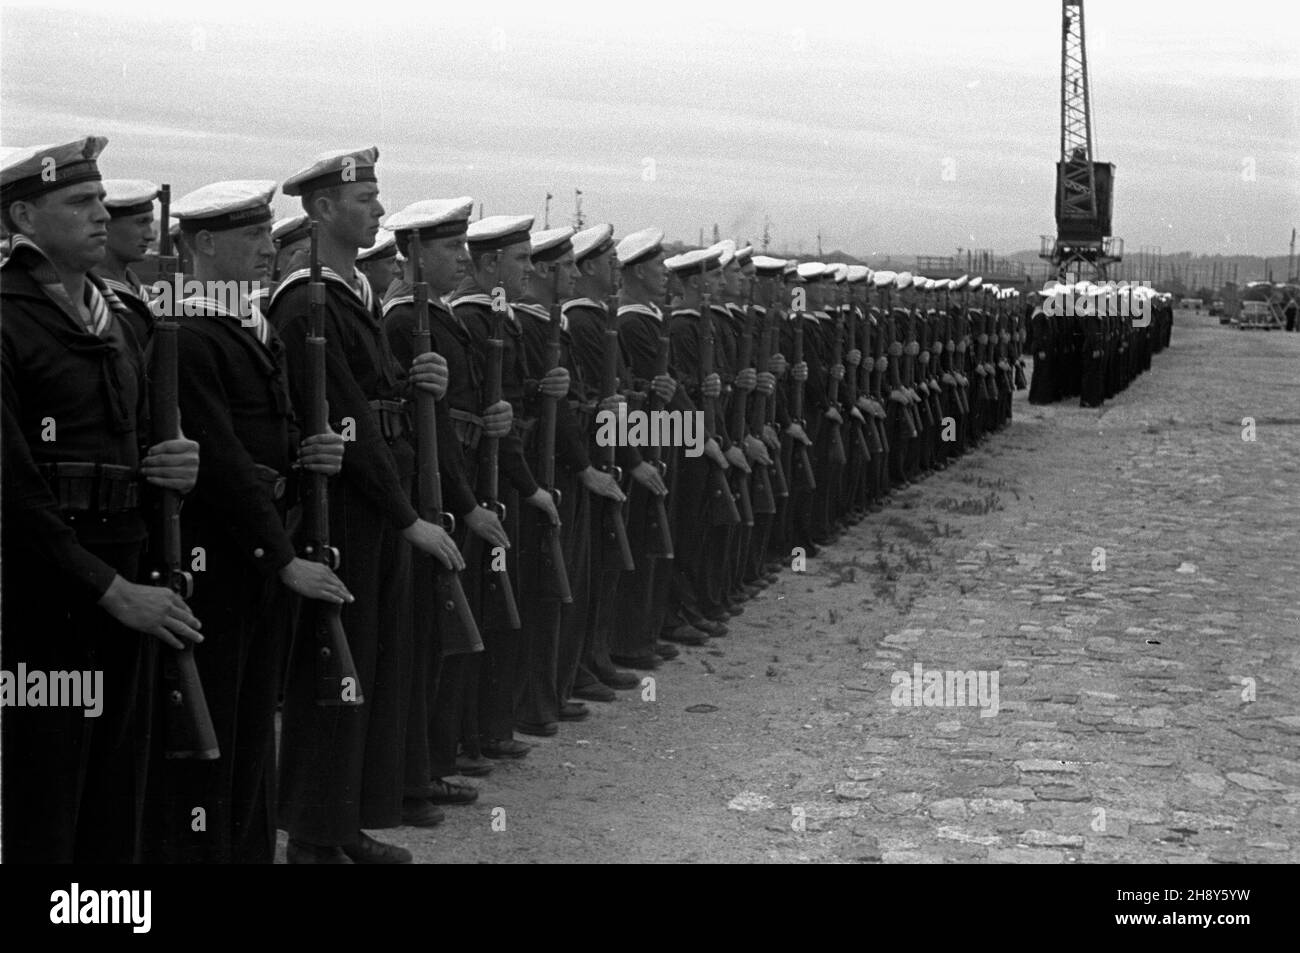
point(392, 417)
point(273, 480)
point(92, 488)
point(468, 427)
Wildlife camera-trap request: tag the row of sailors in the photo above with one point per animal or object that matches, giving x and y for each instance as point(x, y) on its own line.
point(823, 390)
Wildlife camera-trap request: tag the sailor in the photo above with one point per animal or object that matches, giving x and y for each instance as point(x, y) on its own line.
point(75, 402)
point(130, 233)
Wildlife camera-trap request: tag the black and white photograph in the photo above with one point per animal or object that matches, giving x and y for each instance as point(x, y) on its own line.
point(673, 433)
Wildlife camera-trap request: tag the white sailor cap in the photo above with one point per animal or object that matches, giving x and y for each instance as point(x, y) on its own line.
point(26, 173)
point(974, 283)
point(768, 266)
point(929, 284)
point(129, 196)
point(694, 262)
point(291, 229)
point(385, 246)
point(225, 205)
point(959, 283)
point(942, 284)
point(551, 244)
point(499, 231)
point(903, 280)
point(593, 241)
point(337, 167)
point(812, 271)
point(639, 246)
point(433, 218)
point(858, 273)
point(883, 279)
point(838, 271)
point(744, 253)
point(726, 250)
point(173, 226)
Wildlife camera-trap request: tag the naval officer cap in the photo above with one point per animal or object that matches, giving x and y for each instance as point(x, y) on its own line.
point(225, 205)
point(337, 167)
point(767, 266)
point(433, 218)
point(883, 279)
point(726, 252)
point(385, 246)
point(129, 196)
point(28, 173)
point(293, 228)
point(639, 246)
point(694, 262)
point(551, 244)
point(812, 271)
point(592, 242)
point(498, 231)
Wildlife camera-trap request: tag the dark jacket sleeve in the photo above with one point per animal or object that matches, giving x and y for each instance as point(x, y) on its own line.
point(367, 464)
point(227, 483)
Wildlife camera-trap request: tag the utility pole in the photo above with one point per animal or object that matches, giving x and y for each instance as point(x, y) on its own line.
point(577, 214)
point(819, 244)
point(546, 221)
point(767, 233)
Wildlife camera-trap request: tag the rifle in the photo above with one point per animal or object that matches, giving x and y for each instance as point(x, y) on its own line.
point(738, 421)
point(896, 381)
point(457, 630)
point(337, 681)
point(764, 494)
point(189, 730)
point(838, 457)
point(488, 489)
point(851, 383)
point(722, 507)
point(659, 525)
point(874, 334)
point(613, 526)
point(772, 340)
point(552, 545)
point(796, 409)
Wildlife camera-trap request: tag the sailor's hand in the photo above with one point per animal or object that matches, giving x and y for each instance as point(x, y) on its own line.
point(313, 580)
point(429, 373)
point(172, 465)
point(555, 384)
point(153, 610)
point(498, 419)
point(434, 540)
point(601, 483)
point(322, 453)
point(647, 474)
point(485, 524)
point(543, 501)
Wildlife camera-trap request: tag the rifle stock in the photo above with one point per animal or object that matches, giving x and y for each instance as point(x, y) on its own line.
point(458, 632)
point(188, 722)
point(618, 549)
point(491, 457)
point(800, 448)
point(337, 681)
point(660, 528)
point(722, 505)
point(551, 542)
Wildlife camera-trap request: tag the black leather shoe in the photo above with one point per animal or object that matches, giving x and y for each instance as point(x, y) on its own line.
point(442, 791)
point(666, 650)
point(501, 748)
point(574, 711)
point(617, 678)
point(367, 850)
point(684, 635)
point(718, 615)
point(545, 729)
point(299, 853)
point(597, 692)
point(421, 812)
point(716, 629)
point(735, 610)
point(642, 663)
point(473, 767)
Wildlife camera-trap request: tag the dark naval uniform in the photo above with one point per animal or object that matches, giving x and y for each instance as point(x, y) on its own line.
point(342, 766)
point(75, 423)
point(234, 402)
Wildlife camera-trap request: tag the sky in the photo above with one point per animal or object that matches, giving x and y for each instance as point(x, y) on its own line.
point(914, 128)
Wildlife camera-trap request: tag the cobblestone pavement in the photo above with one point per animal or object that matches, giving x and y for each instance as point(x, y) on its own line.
point(1147, 711)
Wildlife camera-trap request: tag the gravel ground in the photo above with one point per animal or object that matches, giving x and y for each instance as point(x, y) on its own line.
point(1146, 711)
